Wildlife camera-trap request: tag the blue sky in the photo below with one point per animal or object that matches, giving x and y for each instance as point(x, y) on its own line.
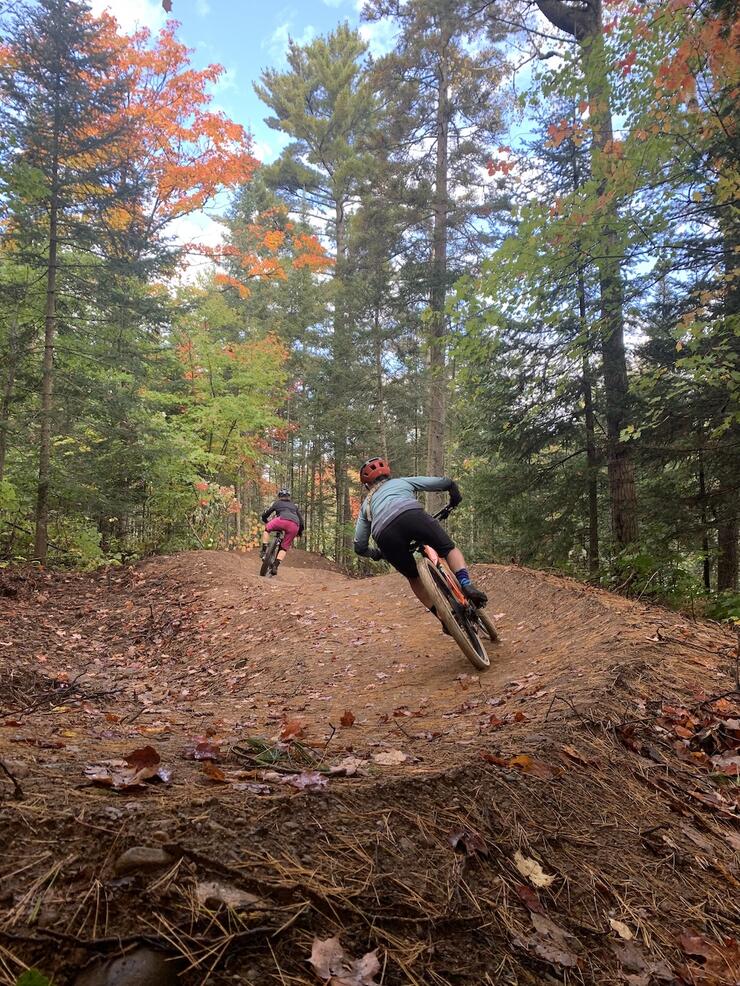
point(245, 36)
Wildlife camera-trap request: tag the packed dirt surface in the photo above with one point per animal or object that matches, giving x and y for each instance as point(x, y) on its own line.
point(210, 774)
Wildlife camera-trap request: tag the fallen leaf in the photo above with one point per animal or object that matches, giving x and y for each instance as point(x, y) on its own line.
point(390, 758)
point(214, 773)
point(495, 759)
point(347, 767)
point(719, 961)
point(631, 956)
point(308, 780)
point(468, 841)
point(133, 771)
point(348, 719)
point(331, 962)
point(621, 929)
point(202, 751)
point(536, 768)
point(532, 870)
point(212, 893)
point(292, 729)
point(530, 898)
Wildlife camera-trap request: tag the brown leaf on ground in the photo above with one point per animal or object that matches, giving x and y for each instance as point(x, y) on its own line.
point(212, 894)
point(308, 780)
point(143, 758)
point(530, 898)
point(528, 765)
point(292, 729)
point(348, 719)
point(214, 773)
point(495, 759)
point(632, 958)
point(468, 841)
point(390, 758)
point(202, 750)
point(331, 962)
point(717, 963)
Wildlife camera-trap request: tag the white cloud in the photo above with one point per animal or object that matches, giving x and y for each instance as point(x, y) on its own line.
point(132, 14)
point(380, 36)
point(203, 7)
point(197, 230)
point(277, 43)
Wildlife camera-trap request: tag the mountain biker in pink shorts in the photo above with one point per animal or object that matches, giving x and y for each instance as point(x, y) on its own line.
point(287, 518)
point(394, 517)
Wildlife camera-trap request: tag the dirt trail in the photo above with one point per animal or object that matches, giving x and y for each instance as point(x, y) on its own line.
point(593, 746)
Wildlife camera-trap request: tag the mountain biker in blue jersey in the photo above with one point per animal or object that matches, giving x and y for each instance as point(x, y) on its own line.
point(395, 519)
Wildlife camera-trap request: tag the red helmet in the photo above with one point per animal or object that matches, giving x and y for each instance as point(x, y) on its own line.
point(375, 468)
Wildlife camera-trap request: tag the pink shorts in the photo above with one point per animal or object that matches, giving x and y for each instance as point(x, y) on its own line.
point(282, 524)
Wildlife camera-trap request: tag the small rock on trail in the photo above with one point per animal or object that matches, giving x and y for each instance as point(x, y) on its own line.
point(144, 967)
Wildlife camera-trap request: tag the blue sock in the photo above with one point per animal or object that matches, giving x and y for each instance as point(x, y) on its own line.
point(463, 576)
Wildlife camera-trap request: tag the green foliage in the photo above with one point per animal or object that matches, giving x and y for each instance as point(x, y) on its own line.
point(32, 977)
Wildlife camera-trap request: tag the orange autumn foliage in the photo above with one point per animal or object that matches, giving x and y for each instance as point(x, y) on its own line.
point(183, 152)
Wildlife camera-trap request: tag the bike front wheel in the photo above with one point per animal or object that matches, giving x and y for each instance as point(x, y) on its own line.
point(461, 629)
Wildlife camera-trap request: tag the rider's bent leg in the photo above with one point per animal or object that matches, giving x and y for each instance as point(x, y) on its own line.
point(456, 561)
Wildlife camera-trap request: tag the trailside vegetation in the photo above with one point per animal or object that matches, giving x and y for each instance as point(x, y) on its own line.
point(505, 250)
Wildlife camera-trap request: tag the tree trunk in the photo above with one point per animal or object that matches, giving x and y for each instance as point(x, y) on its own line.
point(7, 398)
point(379, 395)
point(706, 561)
point(592, 459)
point(727, 557)
point(341, 357)
point(585, 24)
point(47, 378)
point(437, 399)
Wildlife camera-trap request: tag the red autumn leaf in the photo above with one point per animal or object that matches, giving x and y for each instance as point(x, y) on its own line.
point(144, 757)
point(495, 759)
point(348, 719)
point(202, 750)
point(529, 898)
point(626, 63)
point(292, 729)
point(519, 717)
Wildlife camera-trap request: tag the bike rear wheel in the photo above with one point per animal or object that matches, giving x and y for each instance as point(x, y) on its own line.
point(270, 555)
point(461, 629)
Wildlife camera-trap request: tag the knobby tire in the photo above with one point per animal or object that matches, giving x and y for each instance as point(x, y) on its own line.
point(461, 629)
point(270, 556)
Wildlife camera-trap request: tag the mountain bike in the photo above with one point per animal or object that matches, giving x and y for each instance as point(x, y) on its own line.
point(268, 562)
point(465, 622)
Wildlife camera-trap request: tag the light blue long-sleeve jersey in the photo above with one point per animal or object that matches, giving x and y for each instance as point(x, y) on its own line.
point(387, 501)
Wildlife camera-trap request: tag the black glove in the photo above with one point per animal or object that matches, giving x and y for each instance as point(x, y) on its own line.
point(455, 494)
point(264, 517)
point(375, 553)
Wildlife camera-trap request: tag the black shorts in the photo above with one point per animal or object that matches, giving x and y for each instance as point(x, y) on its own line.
point(412, 525)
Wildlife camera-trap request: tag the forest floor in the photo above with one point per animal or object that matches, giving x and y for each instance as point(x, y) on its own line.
point(210, 777)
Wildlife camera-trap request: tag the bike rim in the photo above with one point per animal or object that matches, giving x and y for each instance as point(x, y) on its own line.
point(460, 618)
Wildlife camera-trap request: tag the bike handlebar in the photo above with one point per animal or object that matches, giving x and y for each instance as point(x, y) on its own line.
point(444, 513)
